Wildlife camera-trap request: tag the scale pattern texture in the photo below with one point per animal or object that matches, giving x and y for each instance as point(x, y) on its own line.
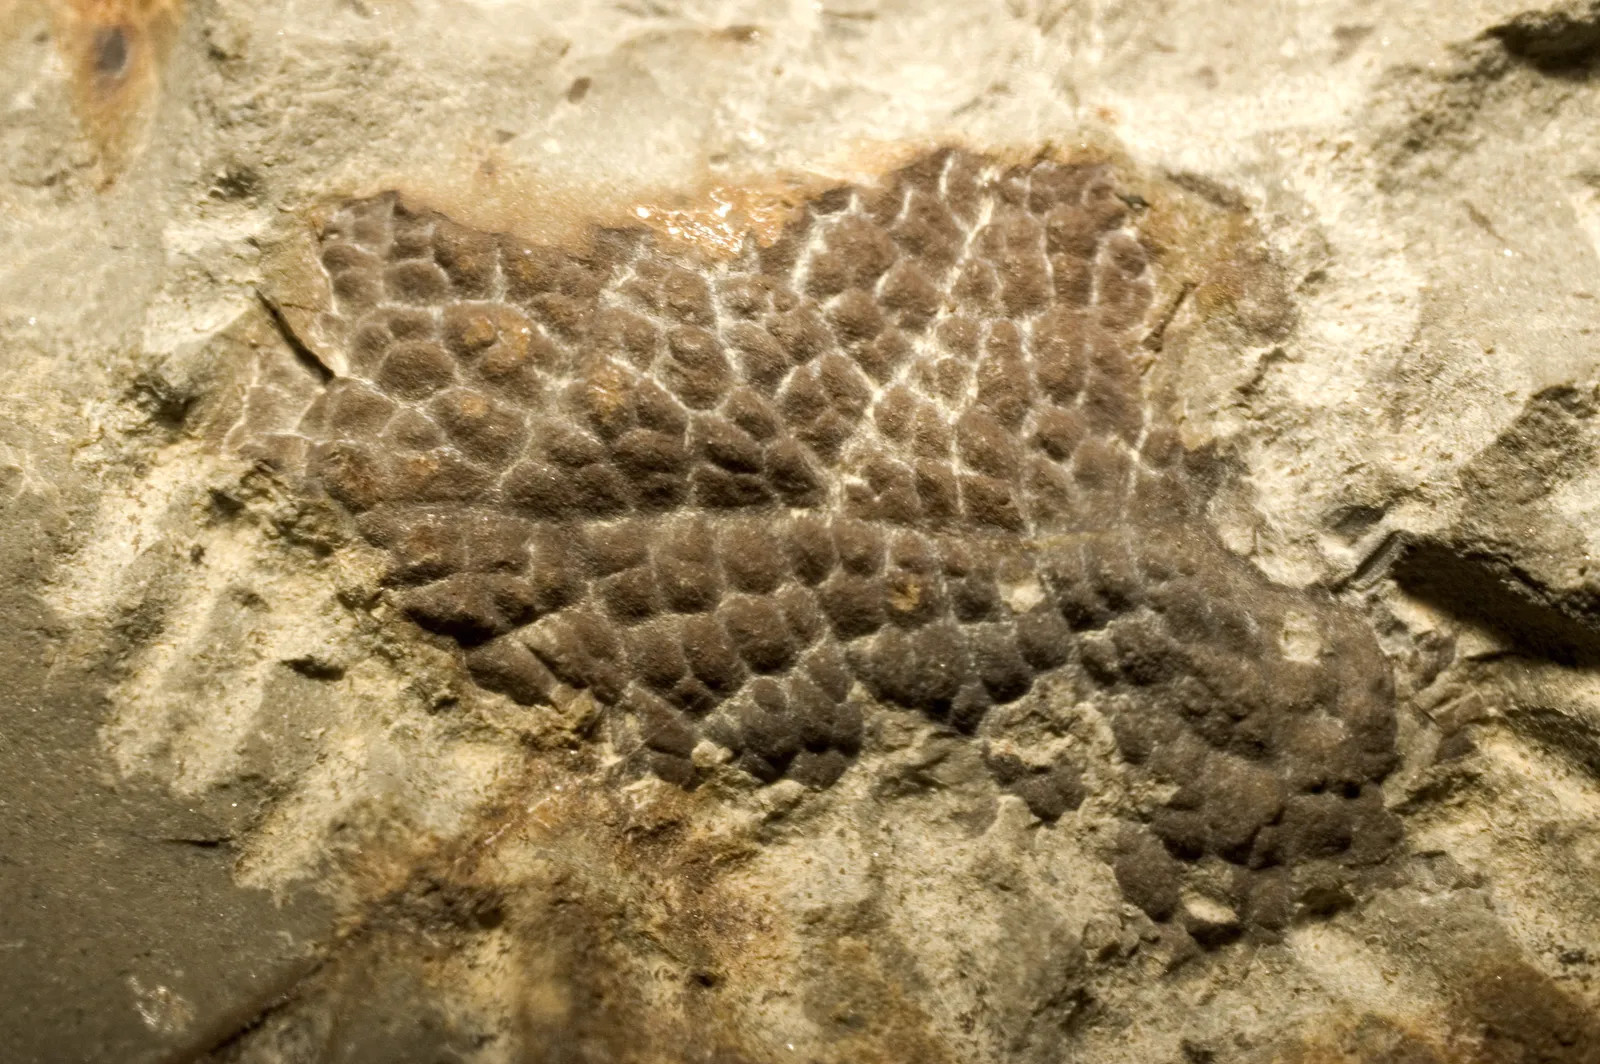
point(907, 446)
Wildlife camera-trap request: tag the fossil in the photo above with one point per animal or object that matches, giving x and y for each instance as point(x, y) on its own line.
point(908, 446)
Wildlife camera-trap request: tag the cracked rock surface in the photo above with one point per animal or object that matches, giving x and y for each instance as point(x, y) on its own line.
point(761, 531)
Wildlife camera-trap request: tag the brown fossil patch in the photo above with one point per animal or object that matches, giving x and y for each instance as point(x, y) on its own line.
point(912, 452)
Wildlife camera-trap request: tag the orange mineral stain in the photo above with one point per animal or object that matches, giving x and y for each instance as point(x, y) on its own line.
point(115, 51)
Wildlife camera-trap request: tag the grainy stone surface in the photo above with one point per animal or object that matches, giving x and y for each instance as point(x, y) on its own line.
point(756, 531)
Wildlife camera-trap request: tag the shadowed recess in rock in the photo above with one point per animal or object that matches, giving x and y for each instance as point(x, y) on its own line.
point(908, 446)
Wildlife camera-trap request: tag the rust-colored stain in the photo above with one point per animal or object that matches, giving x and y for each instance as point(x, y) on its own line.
point(115, 51)
point(719, 225)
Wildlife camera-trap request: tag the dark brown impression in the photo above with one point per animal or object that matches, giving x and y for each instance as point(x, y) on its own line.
point(907, 446)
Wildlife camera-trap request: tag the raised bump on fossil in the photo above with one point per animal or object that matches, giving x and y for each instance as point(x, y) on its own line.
point(907, 445)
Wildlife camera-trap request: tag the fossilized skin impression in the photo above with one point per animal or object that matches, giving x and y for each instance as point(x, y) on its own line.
point(903, 456)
